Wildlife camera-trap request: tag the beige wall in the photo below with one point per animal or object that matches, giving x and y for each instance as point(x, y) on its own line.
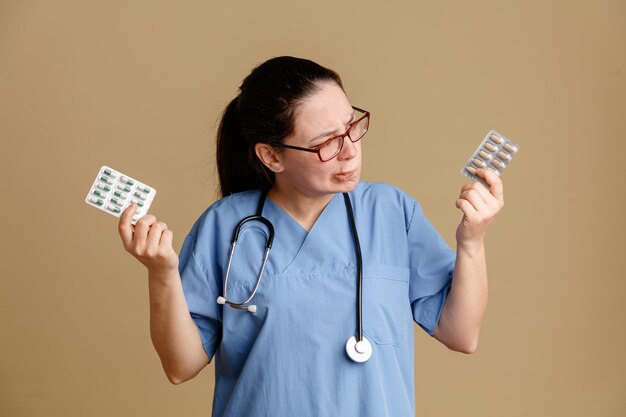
point(139, 85)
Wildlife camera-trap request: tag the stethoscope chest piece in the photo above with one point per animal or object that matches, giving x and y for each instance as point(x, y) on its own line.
point(358, 351)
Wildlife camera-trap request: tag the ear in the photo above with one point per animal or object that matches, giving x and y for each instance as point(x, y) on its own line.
point(269, 157)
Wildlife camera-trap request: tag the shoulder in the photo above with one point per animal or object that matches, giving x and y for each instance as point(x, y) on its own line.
point(378, 190)
point(373, 192)
point(238, 201)
point(386, 199)
point(227, 211)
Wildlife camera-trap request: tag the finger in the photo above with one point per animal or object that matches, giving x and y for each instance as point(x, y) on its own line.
point(488, 198)
point(473, 184)
point(474, 197)
point(142, 227)
point(467, 186)
point(154, 234)
point(466, 207)
point(166, 239)
point(495, 183)
point(125, 227)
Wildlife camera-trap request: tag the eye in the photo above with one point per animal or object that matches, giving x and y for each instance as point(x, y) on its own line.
point(325, 143)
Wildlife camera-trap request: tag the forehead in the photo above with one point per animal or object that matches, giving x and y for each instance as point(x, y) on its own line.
point(325, 110)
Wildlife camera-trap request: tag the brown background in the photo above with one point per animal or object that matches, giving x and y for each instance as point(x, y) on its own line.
point(139, 86)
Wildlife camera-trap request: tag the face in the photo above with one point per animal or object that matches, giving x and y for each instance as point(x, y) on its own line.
point(324, 114)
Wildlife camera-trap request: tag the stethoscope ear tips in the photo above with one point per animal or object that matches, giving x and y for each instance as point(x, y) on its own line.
point(252, 309)
point(221, 300)
point(359, 351)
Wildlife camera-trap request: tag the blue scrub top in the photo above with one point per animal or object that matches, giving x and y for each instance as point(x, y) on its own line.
point(289, 358)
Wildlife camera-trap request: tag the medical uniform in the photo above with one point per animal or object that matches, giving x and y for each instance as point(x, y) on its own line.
point(289, 358)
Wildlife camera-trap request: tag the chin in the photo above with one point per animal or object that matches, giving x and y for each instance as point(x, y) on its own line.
point(347, 186)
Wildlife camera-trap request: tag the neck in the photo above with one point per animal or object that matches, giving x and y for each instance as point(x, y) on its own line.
point(305, 209)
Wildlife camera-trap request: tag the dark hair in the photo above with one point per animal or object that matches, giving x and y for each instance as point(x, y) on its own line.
point(263, 112)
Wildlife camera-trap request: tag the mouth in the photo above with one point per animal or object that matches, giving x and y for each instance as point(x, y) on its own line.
point(346, 175)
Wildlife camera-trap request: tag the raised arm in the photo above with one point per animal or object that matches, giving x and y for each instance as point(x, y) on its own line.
point(174, 334)
point(463, 312)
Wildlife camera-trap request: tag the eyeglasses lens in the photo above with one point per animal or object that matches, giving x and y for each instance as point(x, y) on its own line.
point(358, 130)
point(332, 149)
point(356, 133)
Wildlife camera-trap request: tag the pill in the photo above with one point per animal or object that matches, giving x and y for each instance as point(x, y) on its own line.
point(510, 147)
point(123, 187)
point(498, 163)
point(113, 209)
point(494, 152)
point(112, 192)
point(485, 155)
point(126, 180)
point(491, 147)
point(139, 196)
point(96, 201)
point(109, 173)
point(478, 162)
point(505, 156)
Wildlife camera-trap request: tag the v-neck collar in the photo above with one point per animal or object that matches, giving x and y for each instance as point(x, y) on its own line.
point(295, 222)
point(291, 236)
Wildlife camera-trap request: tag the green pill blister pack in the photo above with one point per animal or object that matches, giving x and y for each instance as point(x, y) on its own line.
point(113, 191)
point(495, 152)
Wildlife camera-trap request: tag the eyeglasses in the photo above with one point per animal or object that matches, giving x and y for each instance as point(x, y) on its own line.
point(331, 147)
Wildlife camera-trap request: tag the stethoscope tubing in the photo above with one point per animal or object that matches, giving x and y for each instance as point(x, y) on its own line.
point(359, 266)
point(358, 348)
point(268, 245)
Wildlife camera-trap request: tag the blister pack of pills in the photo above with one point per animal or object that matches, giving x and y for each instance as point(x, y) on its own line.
point(495, 152)
point(113, 191)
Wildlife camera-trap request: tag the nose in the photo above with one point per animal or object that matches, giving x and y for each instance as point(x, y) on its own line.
point(349, 149)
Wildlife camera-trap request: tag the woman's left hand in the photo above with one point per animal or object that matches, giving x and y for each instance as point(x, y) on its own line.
point(479, 207)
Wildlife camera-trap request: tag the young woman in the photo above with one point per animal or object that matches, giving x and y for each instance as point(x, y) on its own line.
point(323, 324)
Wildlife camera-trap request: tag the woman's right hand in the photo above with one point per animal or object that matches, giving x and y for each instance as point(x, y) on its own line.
point(150, 241)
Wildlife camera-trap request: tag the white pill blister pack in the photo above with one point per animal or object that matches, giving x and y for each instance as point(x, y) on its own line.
point(495, 152)
point(113, 191)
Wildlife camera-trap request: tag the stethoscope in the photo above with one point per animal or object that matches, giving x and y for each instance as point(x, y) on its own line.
point(358, 348)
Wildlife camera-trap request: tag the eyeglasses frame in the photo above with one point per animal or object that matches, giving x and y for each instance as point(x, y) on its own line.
point(316, 148)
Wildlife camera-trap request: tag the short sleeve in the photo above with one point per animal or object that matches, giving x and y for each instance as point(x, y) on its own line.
point(431, 268)
point(201, 293)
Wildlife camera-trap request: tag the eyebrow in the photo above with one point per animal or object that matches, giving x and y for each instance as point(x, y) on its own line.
point(333, 132)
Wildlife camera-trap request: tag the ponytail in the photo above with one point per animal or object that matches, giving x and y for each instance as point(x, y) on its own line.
point(263, 112)
point(238, 167)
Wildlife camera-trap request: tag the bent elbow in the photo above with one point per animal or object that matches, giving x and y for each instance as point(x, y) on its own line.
point(468, 347)
point(178, 372)
point(177, 378)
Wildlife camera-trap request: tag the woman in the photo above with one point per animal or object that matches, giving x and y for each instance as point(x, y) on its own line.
point(288, 149)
